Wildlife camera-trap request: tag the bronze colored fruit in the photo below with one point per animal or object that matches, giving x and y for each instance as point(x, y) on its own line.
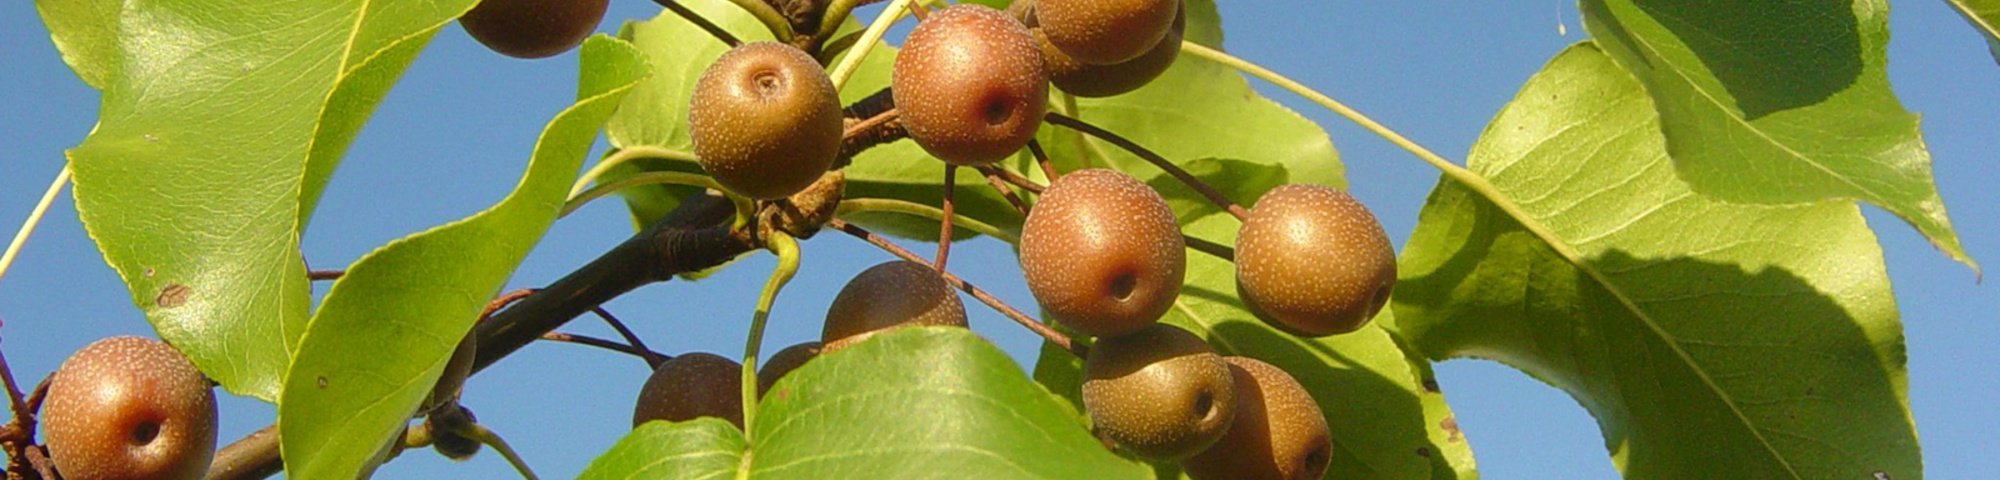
point(1162, 393)
point(1102, 253)
point(969, 85)
point(783, 363)
point(890, 295)
point(129, 408)
point(533, 28)
point(692, 386)
point(1106, 32)
point(1312, 261)
point(1278, 434)
point(765, 120)
point(1089, 80)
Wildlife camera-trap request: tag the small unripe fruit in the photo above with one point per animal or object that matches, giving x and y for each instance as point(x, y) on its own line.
point(1312, 261)
point(533, 28)
point(1279, 432)
point(1162, 393)
point(783, 363)
point(1106, 32)
point(969, 85)
point(1091, 80)
point(692, 386)
point(890, 295)
point(1102, 253)
point(765, 120)
point(129, 408)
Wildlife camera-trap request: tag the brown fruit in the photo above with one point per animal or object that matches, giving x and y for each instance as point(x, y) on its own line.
point(765, 120)
point(533, 28)
point(1162, 393)
point(1278, 434)
point(1089, 80)
point(1106, 32)
point(783, 363)
point(692, 386)
point(890, 295)
point(129, 408)
point(1102, 253)
point(1312, 261)
point(969, 85)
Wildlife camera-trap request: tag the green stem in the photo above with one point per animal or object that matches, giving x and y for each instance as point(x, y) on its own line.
point(896, 10)
point(649, 178)
point(787, 251)
point(836, 14)
point(859, 205)
point(772, 20)
point(625, 155)
point(493, 440)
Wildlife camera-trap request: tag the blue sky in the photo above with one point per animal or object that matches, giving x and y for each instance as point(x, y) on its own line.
point(450, 138)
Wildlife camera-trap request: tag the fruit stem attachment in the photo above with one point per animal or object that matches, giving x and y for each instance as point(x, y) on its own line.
point(590, 341)
point(944, 227)
point(889, 16)
point(503, 301)
point(1049, 334)
point(998, 178)
point(624, 155)
point(1206, 190)
point(859, 205)
point(648, 178)
point(34, 218)
point(1042, 160)
point(787, 250)
point(653, 359)
point(700, 21)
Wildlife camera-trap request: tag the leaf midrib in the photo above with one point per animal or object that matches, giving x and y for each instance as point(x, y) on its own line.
point(1992, 32)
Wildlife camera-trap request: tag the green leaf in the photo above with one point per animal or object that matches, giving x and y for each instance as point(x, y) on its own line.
point(925, 402)
point(1985, 16)
point(1704, 336)
point(381, 337)
point(191, 182)
point(1786, 103)
point(86, 35)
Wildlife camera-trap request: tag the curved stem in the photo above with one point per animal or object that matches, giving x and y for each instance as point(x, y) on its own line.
point(1178, 173)
point(624, 155)
point(780, 27)
point(836, 13)
point(486, 436)
point(787, 250)
point(653, 359)
point(648, 178)
point(700, 21)
point(859, 205)
point(896, 10)
point(34, 218)
point(1049, 334)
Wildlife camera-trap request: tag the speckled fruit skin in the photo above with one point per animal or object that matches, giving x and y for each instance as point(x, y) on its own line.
point(129, 408)
point(1102, 253)
point(1279, 432)
point(1106, 32)
point(1162, 393)
point(1094, 81)
point(1312, 261)
point(765, 120)
point(533, 28)
point(783, 363)
point(889, 295)
point(690, 386)
point(969, 85)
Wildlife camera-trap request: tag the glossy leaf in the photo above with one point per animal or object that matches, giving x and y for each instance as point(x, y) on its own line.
point(86, 35)
point(924, 402)
point(1786, 103)
point(1705, 336)
point(382, 335)
point(190, 184)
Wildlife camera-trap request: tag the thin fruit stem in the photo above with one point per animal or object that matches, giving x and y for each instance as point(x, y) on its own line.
point(859, 205)
point(779, 26)
point(40, 393)
point(632, 339)
point(34, 219)
point(623, 156)
point(648, 178)
point(22, 419)
point(872, 122)
point(889, 16)
point(1017, 180)
point(1042, 159)
point(503, 301)
point(1049, 334)
point(586, 340)
point(700, 21)
point(835, 14)
point(944, 227)
point(1206, 190)
point(787, 251)
point(997, 177)
point(324, 275)
point(486, 436)
point(1216, 250)
point(920, 11)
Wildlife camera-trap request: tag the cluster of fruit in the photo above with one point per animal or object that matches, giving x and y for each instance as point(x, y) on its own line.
point(1101, 251)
